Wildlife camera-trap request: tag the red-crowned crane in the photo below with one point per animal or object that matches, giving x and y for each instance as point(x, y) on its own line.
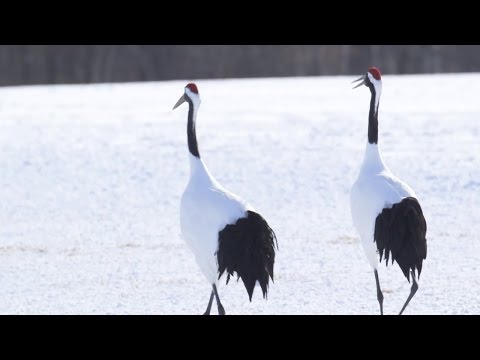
point(385, 210)
point(222, 230)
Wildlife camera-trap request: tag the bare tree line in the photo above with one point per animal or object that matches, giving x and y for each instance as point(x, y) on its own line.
point(57, 64)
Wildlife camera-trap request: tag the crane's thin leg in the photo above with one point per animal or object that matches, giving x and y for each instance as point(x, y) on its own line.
point(379, 292)
point(413, 290)
point(209, 307)
point(221, 310)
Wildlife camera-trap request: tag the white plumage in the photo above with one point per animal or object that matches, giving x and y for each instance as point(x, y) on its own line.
point(375, 189)
point(206, 208)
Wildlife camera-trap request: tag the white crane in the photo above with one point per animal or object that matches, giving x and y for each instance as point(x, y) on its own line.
point(222, 230)
point(385, 210)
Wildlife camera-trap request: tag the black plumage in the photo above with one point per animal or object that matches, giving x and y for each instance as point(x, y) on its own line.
point(248, 248)
point(400, 231)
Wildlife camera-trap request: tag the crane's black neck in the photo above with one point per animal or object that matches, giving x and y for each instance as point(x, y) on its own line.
point(191, 133)
point(373, 117)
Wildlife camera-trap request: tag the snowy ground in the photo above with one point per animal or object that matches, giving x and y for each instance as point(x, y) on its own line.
point(91, 179)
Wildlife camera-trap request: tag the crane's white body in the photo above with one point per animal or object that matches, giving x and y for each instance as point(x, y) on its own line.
point(206, 208)
point(375, 189)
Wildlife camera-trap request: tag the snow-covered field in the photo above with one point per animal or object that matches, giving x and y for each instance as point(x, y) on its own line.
point(91, 180)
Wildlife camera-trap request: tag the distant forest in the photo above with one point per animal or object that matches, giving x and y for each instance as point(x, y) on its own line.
point(66, 64)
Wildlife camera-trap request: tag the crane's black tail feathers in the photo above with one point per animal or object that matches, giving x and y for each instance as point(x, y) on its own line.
point(400, 231)
point(248, 248)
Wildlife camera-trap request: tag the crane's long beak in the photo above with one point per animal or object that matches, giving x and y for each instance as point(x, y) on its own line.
point(179, 102)
point(362, 79)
